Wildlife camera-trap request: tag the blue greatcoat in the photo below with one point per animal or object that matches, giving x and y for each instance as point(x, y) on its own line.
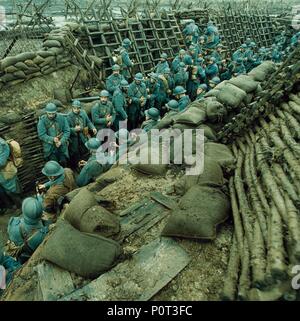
point(126, 63)
point(10, 265)
point(119, 102)
point(161, 67)
point(211, 71)
point(48, 130)
point(99, 113)
point(135, 92)
point(183, 102)
point(153, 89)
point(113, 82)
point(175, 63)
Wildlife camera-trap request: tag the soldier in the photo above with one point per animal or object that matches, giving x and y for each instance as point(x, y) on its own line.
point(61, 182)
point(114, 80)
point(249, 56)
point(218, 54)
point(177, 60)
point(238, 68)
point(181, 97)
point(182, 76)
point(212, 36)
point(126, 62)
point(120, 102)
point(103, 112)
point(92, 168)
point(193, 52)
point(248, 42)
point(80, 124)
point(167, 84)
point(137, 92)
point(10, 188)
point(153, 88)
point(201, 91)
point(10, 265)
point(212, 69)
point(239, 53)
point(172, 108)
point(152, 118)
point(200, 47)
point(28, 231)
point(162, 65)
point(54, 131)
point(191, 32)
point(276, 54)
point(213, 83)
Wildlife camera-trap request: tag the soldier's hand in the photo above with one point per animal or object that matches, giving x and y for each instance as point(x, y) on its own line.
point(78, 128)
point(129, 101)
point(58, 144)
point(109, 124)
point(41, 187)
point(56, 140)
point(94, 131)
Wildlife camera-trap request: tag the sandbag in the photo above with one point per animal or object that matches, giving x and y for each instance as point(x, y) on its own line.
point(38, 60)
point(231, 95)
point(215, 111)
point(110, 177)
point(25, 56)
point(212, 176)
point(244, 82)
point(45, 54)
point(182, 127)
point(15, 82)
point(209, 133)
point(62, 95)
point(49, 70)
point(19, 74)
point(11, 69)
point(84, 254)
point(212, 93)
point(257, 75)
point(30, 63)
point(86, 215)
point(8, 61)
point(51, 43)
point(220, 153)
point(192, 115)
point(56, 50)
point(198, 213)
point(47, 62)
point(31, 70)
point(21, 66)
point(150, 169)
point(8, 77)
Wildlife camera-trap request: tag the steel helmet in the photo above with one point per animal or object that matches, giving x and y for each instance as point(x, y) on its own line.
point(203, 87)
point(199, 59)
point(182, 52)
point(210, 23)
point(76, 103)
point(115, 67)
point(32, 210)
point(164, 56)
point(51, 108)
point(188, 60)
point(179, 90)
point(202, 38)
point(216, 80)
point(253, 44)
point(239, 61)
point(124, 83)
point(182, 64)
point(153, 113)
point(213, 59)
point(126, 42)
point(104, 93)
point(192, 47)
point(244, 46)
point(138, 76)
point(153, 75)
point(173, 104)
point(93, 144)
point(52, 168)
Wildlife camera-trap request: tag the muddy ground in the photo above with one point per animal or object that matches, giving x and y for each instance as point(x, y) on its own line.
point(201, 280)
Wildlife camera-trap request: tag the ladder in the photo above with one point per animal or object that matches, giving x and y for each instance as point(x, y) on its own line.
point(172, 21)
point(81, 54)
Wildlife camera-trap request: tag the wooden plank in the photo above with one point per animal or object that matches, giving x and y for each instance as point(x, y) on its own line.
point(163, 200)
point(53, 282)
point(137, 279)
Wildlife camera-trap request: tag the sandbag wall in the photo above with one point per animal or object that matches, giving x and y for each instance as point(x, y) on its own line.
point(27, 65)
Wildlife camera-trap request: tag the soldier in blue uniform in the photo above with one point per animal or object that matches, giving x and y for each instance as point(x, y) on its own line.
point(177, 60)
point(201, 91)
point(172, 108)
point(276, 54)
point(212, 36)
point(238, 68)
point(183, 100)
point(137, 92)
point(10, 188)
point(213, 83)
point(80, 125)
point(103, 112)
point(91, 169)
point(152, 118)
point(28, 231)
point(182, 76)
point(239, 53)
point(212, 69)
point(54, 131)
point(126, 62)
point(114, 80)
point(153, 88)
point(162, 65)
point(191, 32)
point(120, 102)
point(201, 46)
point(166, 85)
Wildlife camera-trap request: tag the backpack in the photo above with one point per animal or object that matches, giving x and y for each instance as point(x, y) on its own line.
point(15, 152)
point(117, 56)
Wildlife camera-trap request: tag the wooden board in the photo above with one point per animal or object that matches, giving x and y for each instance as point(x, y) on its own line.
point(53, 282)
point(139, 278)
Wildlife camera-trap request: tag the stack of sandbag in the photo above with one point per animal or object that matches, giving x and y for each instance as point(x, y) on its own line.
point(87, 255)
point(27, 65)
point(263, 71)
point(203, 205)
point(86, 215)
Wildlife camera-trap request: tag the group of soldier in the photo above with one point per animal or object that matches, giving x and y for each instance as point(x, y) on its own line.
point(70, 140)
